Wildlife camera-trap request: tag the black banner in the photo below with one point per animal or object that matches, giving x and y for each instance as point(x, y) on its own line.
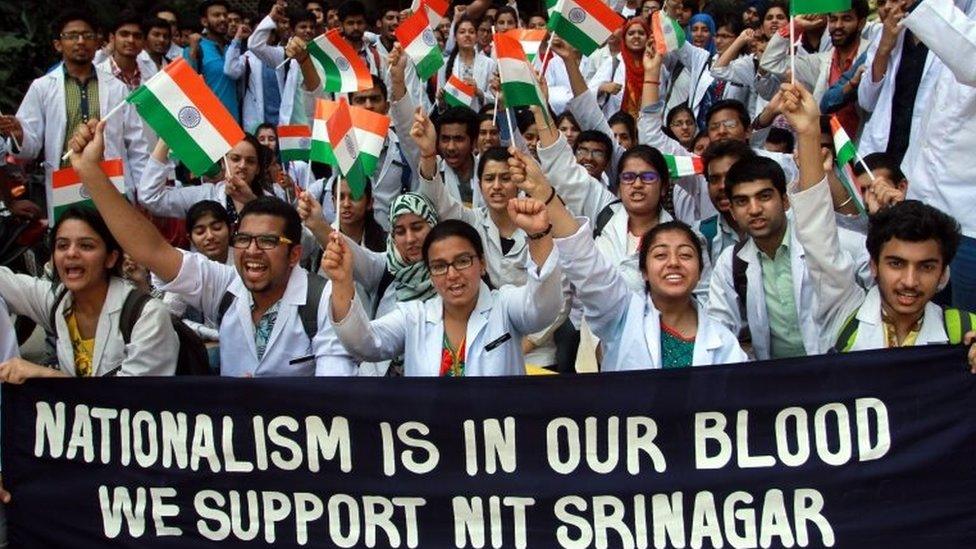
point(861, 450)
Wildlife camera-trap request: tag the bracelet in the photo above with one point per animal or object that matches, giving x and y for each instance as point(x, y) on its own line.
point(537, 236)
point(846, 202)
point(428, 155)
point(551, 196)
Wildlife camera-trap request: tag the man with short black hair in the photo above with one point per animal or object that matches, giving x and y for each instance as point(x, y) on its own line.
point(159, 41)
point(206, 54)
point(168, 14)
point(911, 246)
point(70, 95)
point(127, 40)
point(274, 312)
point(353, 25)
point(888, 186)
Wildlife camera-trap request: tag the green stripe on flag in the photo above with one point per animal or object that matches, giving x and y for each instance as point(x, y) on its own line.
point(291, 155)
point(518, 94)
point(801, 7)
point(58, 210)
point(572, 34)
point(356, 178)
point(369, 163)
point(846, 153)
point(430, 63)
point(454, 101)
point(333, 77)
point(322, 152)
point(849, 187)
point(184, 147)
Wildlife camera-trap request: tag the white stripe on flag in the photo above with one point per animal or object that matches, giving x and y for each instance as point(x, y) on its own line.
point(174, 100)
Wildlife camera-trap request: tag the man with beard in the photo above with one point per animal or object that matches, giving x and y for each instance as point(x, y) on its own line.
point(352, 25)
point(70, 95)
point(387, 24)
point(819, 71)
point(206, 54)
point(273, 313)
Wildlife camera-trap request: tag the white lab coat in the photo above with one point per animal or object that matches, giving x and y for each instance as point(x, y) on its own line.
point(495, 330)
point(621, 317)
point(876, 97)
point(202, 283)
point(235, 67)
point(151, 351)
point(938, 161)
point(290, 79)
point(812, 70)
point(742, 71)
point(147, 67)
point(482, 70)
point(609, 103)
point(699, 61)
point(807, 291)
point(584, 107)
point(43, 117)
point(8, 338)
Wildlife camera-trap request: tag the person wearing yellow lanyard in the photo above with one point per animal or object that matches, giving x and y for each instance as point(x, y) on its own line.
point(82, 307)
point(911, 245)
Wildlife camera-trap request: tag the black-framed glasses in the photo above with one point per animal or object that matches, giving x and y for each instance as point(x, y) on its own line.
point(595, 154)
point(242, 241)
point(76, 36)
point(460, 263)
point(647, 178)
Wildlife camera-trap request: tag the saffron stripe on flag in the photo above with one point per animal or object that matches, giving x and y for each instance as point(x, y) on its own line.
point(188, 149)
point(194, 87)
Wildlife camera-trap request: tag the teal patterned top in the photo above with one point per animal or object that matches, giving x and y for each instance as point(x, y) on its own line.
point(676, 350)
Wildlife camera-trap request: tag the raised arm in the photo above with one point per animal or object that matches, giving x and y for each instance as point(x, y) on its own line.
point(134, 232)
point(258, 42)
point(949, 33)
point(424, 137)
point(649, 130)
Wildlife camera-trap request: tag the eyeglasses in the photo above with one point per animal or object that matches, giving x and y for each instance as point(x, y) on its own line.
point(647, 178)
point(595, 154)
point(242, 241)
point(78, 36)
point(729, 124)
point(460, 263)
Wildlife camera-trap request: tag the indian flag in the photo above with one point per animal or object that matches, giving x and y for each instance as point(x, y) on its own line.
point(342, 134)
point(436, 9)
point(844, 154)
point(800, 7)
point(294, 142)
point(179, 106)
point(531, 40)
point(321, 150)
point(585, 24)
point(420, 44)
point(668, 34)
point(68, 190)
point(683, 166)
point(371, 129)
point(518, 82)
point(345, 71)
point(458, 93)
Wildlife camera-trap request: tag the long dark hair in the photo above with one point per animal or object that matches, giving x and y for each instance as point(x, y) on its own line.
point(374, 237)
point(667, 227)
point(449, 67)
point(93, 219)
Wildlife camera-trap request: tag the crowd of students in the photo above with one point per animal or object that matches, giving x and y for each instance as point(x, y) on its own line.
point(494, 240)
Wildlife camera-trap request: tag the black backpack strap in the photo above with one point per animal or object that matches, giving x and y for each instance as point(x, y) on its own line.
point(385, 282)
point(225, 302)
point(847, 334)
point(740, 284)
point(603, 218)
point(52, 316)
point(309, 312)
point(132, 308)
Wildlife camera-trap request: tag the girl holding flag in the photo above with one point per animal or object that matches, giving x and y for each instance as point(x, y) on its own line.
point(468, 64)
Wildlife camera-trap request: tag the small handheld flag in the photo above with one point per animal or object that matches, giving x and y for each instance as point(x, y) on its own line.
point(344, 70)
point(420, 44)
point(585, 24)
point(518, 82)
point(294, 142)
point(668, 34)
point(321, 150)
point(346, 149)
point(67, 190)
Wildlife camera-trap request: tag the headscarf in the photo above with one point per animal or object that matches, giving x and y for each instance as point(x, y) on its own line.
point(633, 69)
point(710, 23)
point(759, 5)
point(411, 280)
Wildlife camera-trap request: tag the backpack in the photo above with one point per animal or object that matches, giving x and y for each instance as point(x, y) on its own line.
point(603, 218)
point(957, 324)
point(741, 286)
point(308, 313)
point(191, 358)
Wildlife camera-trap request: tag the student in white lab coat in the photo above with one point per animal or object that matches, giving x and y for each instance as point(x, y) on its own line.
point(660, 326)
point(468, 64)
point(468, 329)
point(82, 307)
point(40, 126)
point(911, 245)
point(8, 338)
point(258, 305)
point(298, 172)
point(246, 163)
